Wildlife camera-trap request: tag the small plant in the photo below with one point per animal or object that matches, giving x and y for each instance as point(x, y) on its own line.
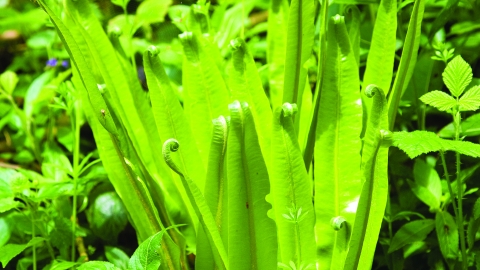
point(427, 186)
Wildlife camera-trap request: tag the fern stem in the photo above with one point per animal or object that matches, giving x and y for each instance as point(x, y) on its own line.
point(34, 249)
point(76, 153)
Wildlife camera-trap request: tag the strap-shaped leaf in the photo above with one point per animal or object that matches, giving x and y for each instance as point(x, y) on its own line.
point(421, 142)
point(407, 62)
point(215, 193)
point(439, 100)
point(251, 233)
point(381, 56)
point(373, 199)
point(199, 204)
point(352, 15)
point(127, 97)
point(205, 91)
point(298, 48)
point(337, 148)
point(102, 112)
point(470, 101)
point(276, 39)
point(169, 116)
point(457, 76)
point(143, 215)
point(291, 193)
point(245, 85)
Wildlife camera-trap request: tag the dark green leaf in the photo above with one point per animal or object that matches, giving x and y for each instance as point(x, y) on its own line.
point(61, 235)
point(411, 232)
point(427, 185)
point(107, 216)
point(97, 265)
point(447, 233)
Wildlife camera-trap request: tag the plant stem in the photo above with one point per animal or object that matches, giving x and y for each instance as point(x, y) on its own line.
point(76, 153)
point(456, 120)
point(450, 190)
point(34, 249)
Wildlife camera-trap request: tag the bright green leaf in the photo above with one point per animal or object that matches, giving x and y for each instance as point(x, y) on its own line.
point(470, 101)
point(411, 232)
point(337, 147)
point(421, 142)
point(439, 100)
point(121, 3)
point(9, 251)
point(147, 254)
point(152, 11)
point(8, 81)
point(457, 76)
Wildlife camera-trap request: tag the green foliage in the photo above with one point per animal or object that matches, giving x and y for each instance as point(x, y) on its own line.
point(421, 142)
point(411, 232)
point(226, 137)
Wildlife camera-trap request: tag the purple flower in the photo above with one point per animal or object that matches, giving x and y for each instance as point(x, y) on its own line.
point(52, 62)
point(65, 64)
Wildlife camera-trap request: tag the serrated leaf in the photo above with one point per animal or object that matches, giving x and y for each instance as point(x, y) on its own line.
point(146, 256)
point(457, 75)
point(470, 101)
point(411, 232)
point(421, 142)
point(9, 251)
point(439, 100)
point(97, 265)
point(447, 233)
